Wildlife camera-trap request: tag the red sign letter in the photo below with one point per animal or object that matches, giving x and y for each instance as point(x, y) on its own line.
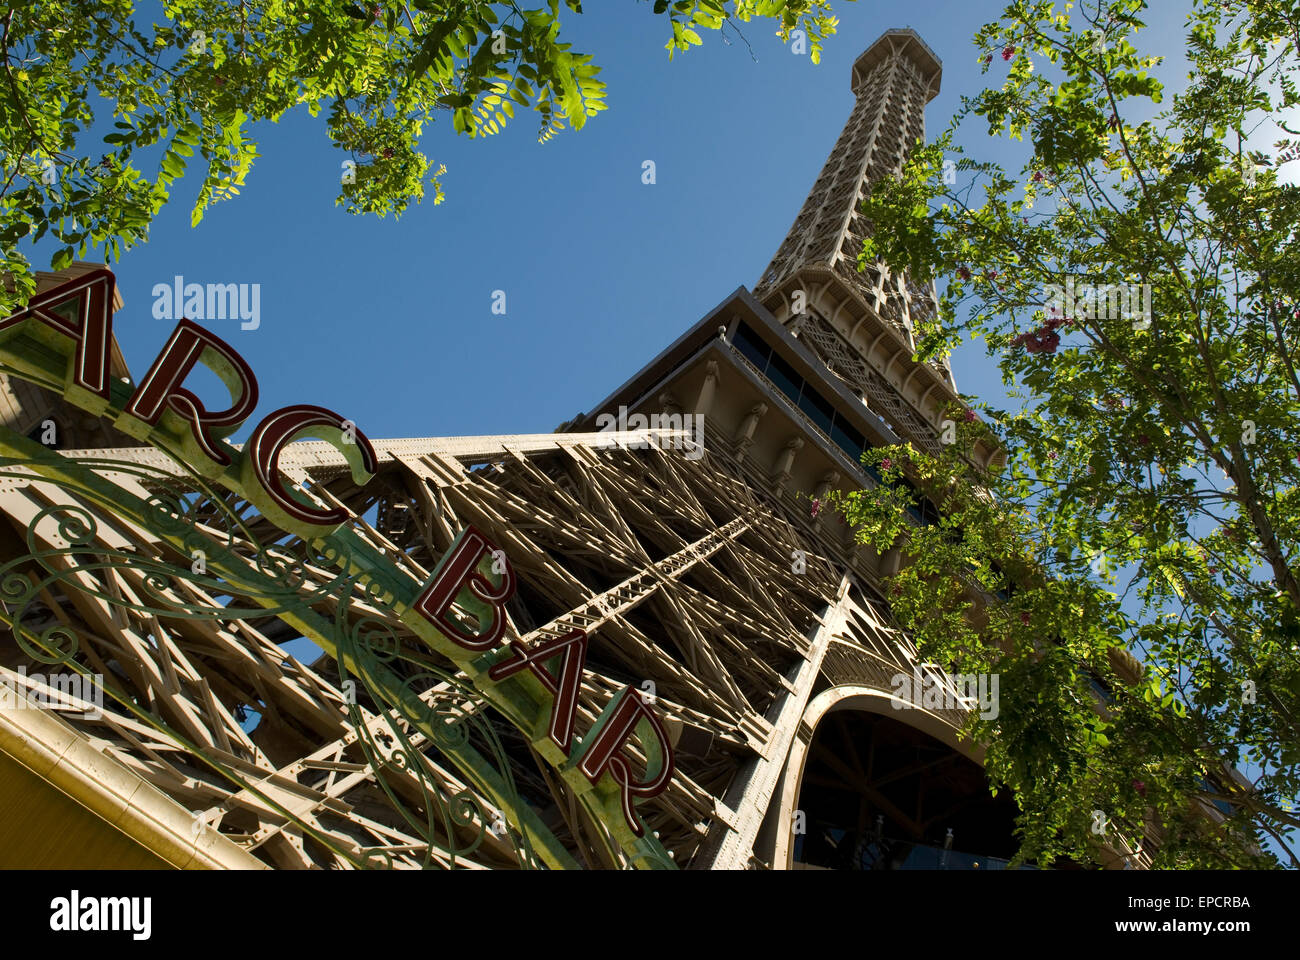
point(89, 324)
point(573, 647)
point(161, 388)
point(458, 571)
point(270, 439)
point(601, 752)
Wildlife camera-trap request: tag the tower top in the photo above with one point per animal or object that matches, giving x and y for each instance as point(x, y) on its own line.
point(861, 321)
point(908, 42)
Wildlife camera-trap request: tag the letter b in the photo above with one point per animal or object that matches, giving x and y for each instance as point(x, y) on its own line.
point(456, 575)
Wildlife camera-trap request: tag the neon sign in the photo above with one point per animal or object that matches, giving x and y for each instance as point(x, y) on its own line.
point(62, 340)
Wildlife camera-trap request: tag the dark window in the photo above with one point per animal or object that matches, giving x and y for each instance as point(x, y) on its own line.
point(783, 375)
point(847, 439)
point(1224, 806)
point(815, 406)
point(751, 346)
point(818, 410)
point(923, 512)
point(1006, 592)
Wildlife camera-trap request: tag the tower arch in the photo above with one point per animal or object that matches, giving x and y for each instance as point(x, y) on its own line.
point(862, 750)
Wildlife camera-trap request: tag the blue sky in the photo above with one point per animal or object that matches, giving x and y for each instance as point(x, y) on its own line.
point(389, 322)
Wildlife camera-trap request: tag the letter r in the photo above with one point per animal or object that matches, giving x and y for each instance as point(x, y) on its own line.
point(161, 389)
point(603, 746)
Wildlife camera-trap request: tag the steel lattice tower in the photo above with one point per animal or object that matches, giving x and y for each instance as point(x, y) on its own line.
point(892, 83)
point(710, 576)
point(861, 322)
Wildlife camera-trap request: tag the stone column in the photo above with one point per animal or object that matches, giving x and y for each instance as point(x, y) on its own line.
point(745, 435)
point(828, 480)
point(785, 462)
point(705, 401)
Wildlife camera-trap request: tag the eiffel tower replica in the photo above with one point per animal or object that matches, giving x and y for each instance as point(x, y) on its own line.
point(679, 524)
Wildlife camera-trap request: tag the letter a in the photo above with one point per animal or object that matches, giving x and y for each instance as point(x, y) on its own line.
point(59, 913)
point(572, 646)
point(80, 311)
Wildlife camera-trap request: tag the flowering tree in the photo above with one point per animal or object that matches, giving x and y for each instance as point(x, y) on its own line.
point(381, 69)
point(1132, 570)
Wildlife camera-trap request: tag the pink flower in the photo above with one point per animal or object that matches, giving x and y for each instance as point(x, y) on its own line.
point(963, 273)
point(988, 58)
point(970, 416)
point(1024, 617)
point(1008, 52)
point(1038, 176)
point(1043, 340)
point(887, 463)
point(1051, 454)
point(816, 505)
point(1140, 787)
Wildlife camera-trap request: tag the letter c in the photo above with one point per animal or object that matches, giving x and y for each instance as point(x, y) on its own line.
point(280, 428)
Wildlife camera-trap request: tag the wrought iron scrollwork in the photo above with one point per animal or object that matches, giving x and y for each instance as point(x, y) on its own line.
point(421, 718)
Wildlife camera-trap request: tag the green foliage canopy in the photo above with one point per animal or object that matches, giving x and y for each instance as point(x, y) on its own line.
point(1148, 510)
point(200, 81)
